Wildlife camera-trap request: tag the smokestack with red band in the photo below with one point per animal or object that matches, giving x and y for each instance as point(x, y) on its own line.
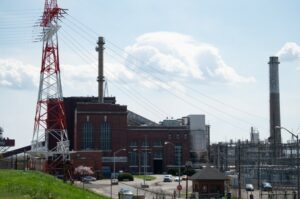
point(275, 133)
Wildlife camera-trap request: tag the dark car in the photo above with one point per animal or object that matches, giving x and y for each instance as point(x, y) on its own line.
point(266, 186)
point(59, 176)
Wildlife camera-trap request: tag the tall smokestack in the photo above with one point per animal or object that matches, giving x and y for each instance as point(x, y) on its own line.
point(100, 78)
point(275, 133)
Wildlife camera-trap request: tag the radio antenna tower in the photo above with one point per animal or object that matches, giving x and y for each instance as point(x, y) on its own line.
point(50, 139)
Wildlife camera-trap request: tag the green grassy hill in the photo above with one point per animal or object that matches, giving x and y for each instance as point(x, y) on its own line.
point(32, 184)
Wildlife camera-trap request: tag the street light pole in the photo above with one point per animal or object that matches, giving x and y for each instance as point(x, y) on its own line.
point(139, 160)
point(114, 160)
point(123, 149)
point(187, 166)
point(178, 166)
point(297, 138)
point(145, 164)
point(145, 160)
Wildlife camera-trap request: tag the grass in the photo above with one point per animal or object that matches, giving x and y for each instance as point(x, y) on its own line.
point(16, 184)
point(148, 178)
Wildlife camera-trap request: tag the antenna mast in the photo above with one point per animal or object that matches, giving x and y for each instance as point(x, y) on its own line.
point(50, 139)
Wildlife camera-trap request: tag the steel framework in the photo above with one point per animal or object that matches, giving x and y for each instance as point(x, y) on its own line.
point(50, 140)
point(254, 161)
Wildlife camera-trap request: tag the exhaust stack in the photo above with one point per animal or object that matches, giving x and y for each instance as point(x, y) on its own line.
point(100, 77)
point(275, 133)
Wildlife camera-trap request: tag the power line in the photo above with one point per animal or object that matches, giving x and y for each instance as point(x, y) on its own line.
point(191, 97)
point(83, 56)
point(227, 114)
point(194, 90)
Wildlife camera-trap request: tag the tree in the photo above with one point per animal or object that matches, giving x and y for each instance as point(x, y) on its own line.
point(82, 171)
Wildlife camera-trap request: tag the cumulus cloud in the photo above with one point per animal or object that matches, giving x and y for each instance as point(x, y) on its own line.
point(157, 60)
point(17, 75)
point(179, 58)
point(80, 78)
point(289, 52)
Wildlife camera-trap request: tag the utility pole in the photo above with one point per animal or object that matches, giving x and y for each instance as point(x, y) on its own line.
point(258, 167)
point(145, 160)
point(239, 169)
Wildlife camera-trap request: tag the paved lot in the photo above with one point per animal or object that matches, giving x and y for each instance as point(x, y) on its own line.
point(155, 186)
point(158, 189)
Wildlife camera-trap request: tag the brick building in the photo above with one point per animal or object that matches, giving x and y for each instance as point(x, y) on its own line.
point(99, 132)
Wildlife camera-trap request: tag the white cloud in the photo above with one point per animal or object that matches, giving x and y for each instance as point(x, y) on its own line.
point(17, 75)
point(79, 78)
point(159, 60)
point(289, 52)
point(175, 57)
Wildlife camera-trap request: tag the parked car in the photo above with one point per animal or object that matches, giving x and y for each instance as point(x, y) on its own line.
point(60, 176)
point(168, 178)
point(184, 177)
point(125, 193)
point(177, 178)
point(88, 179)
point(249, 187)
point(266, 186)
point(114, 181)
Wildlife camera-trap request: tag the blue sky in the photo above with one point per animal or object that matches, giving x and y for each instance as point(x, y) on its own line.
point(162, 59)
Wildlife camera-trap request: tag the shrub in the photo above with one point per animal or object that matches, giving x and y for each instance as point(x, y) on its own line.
point(125, 176)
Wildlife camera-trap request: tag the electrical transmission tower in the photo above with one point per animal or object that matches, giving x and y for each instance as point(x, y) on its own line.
point(50, 140)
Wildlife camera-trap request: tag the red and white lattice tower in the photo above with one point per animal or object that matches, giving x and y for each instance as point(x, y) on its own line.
point(50, 140)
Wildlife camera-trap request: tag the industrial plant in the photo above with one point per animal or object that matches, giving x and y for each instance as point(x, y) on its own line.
point(99, 133)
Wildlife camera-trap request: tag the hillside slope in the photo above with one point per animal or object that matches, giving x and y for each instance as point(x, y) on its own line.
point(33, 184)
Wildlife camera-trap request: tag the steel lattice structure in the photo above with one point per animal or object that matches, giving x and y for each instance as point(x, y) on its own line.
point(50, 140)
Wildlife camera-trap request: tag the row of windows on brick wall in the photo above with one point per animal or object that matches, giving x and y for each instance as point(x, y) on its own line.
point(105, 136)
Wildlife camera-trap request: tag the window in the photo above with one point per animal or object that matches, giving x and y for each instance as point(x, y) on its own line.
point(185, 136)
point(133, 158)
point(105, 136)
point(145, 143)
point(87, 135)
point(157, 143)
point(158, 155)
point(145, 157)
point(178, 151)
point(204, 189)
point(133, 143)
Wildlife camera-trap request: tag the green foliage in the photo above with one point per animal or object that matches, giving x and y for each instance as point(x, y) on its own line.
point(175, 172)
point(37, 185)
point(189, 172)
point(125, 176)
point(148, 178)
